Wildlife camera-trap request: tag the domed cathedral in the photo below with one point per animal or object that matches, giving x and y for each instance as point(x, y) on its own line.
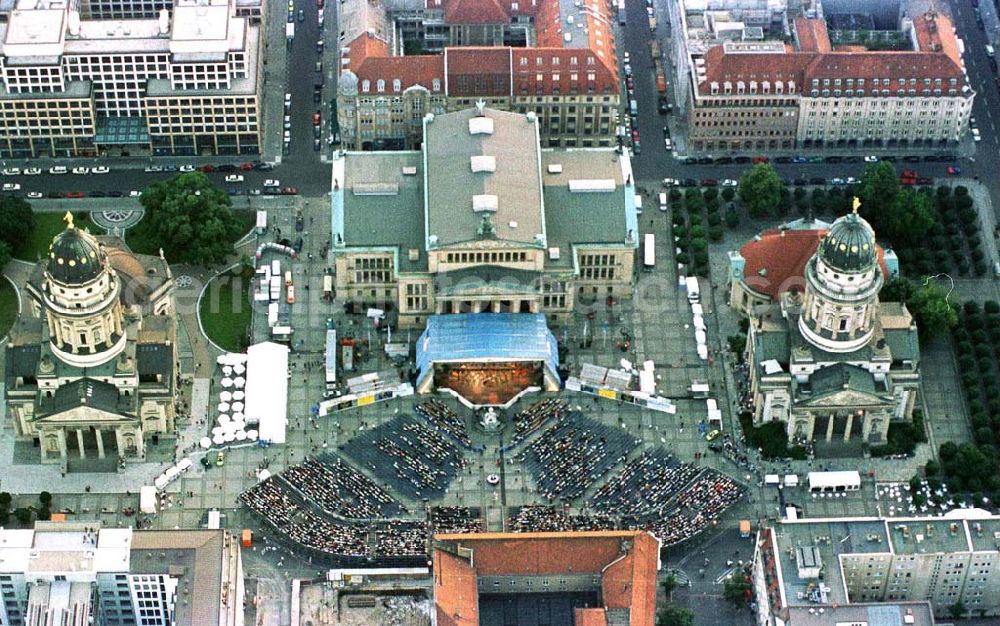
point(828, 359)
point(91, 361)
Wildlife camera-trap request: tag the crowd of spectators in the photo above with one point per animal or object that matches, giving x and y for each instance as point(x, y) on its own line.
point(339, 489)
point(697, 507)
point(441, 416)
point(401, 538)
point(414, 460)
point(644, 486)
point(456, 519)
point(573, 454)
point(536, 416)
point(549, 519)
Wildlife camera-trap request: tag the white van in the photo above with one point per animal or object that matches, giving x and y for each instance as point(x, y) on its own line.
point(663, 201)
point(693, 292)
point(638, 204)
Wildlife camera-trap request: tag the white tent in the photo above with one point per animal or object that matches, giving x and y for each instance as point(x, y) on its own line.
point(238, 395)
point(239, 369)
point(252, 435)
point(240, 382)
point(225, 396)
point(237, 407)
point(206, 442)
point(226, 382)
point(267, 390)
point(231, 358)
point(223, 407)
point(227, 370)
point(848, 480)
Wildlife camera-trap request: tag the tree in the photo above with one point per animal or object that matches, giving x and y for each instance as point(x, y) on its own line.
point(45, 498)
point(23, 516)
point(673, 615)
point(902, 215)
point(16, 221)
point(669, 584)
point(957, 610)
point(5, 500)
point(878, 189)
point(761, 188)
point(737, 589)
point(190, 218)
point(927, 302)
point(5, 254)
point(45, 513)
point(931, 310)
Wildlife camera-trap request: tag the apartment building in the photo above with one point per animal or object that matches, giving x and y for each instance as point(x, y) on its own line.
point(807, 567)
point(766, 95)
point(118, 82)
point(77, 573)
point(483, 219)
point(566, 75)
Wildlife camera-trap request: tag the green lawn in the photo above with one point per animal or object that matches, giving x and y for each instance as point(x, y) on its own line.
point(226, 311)
point(8, 306)
point(47, 226)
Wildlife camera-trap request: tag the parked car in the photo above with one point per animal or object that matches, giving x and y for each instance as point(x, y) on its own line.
point(80, 171)
point(729, 182)
point(11, 187)
point(100, 169)
point(11, 171)
point(97, 193)
point(272, 182)
point(709, 182)
point(234, 178)
point(742, 160)
point(817, 180)
point(954, 170)
point(761, 159)
point(59, 169)
point(135, 193)
point(289, 191)
point(264, 167)
point(723, 160)
point(34, 195)
point(871, 158)
point(74, 194)
point(151, 169)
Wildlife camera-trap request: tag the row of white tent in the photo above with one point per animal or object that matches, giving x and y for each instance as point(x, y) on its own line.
point(172, 472)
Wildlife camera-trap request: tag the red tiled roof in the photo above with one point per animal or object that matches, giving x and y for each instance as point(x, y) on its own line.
point(936, 33)
point(937, 58)
point(481, 71)
point(628, 579)
point(721, 67)
point(474, 12)
point(456, 597)
point(364, 46)
point(589, 617)
point(409, 70)
point(556, 68)
point(776, 261)
point(812, 35)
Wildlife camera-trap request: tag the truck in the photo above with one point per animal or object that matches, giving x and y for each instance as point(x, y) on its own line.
point(621, 12)
point(654, 50)
point(693, 293)
point(652, 24)
point(275, 288)
point(147, 500)
point(289, 33)
point(661, 82)
point(328, 287)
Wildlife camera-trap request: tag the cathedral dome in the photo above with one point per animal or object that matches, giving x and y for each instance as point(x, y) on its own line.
point(74, 257)
point(850, 245)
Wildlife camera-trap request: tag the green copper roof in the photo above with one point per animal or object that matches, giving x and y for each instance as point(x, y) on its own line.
point(74, 257)
point(850, 245)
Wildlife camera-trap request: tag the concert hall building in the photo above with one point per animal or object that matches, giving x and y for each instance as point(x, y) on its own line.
point(481, 219)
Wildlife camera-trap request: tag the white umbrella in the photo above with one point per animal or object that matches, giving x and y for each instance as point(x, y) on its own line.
point(206, 442)
point(217, 431)
point(229, 437)
point(238, 417)
point(238, 395)
point(239, 368)
point(237, 407)
point(252, 435)
point(225, 396)
point(239, 381)
point(227, 370)
point(223, 407)
point(241, 435)
point(226, 382)
point(223, 419)
point(218, 440)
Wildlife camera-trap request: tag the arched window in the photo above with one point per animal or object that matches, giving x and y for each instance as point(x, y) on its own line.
point(380, 86)
point(366, 86)
point(397, 85)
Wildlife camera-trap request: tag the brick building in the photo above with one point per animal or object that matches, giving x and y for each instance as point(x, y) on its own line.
point(585, 578)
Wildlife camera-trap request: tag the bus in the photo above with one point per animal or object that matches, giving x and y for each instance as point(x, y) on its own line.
point(649, 252)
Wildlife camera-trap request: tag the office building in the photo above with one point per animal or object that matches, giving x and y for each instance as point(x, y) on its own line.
point(185, 81)
point(77, 573)
point(93, 353)
point(766, 95)
point(806, 571)
point(829, 360)
point(483, 219)
point(566, 73)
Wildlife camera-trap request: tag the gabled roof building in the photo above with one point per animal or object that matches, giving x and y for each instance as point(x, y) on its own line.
point(760, 95)
point(554, 58)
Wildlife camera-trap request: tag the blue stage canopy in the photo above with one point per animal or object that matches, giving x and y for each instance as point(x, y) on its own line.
point(487, 338)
